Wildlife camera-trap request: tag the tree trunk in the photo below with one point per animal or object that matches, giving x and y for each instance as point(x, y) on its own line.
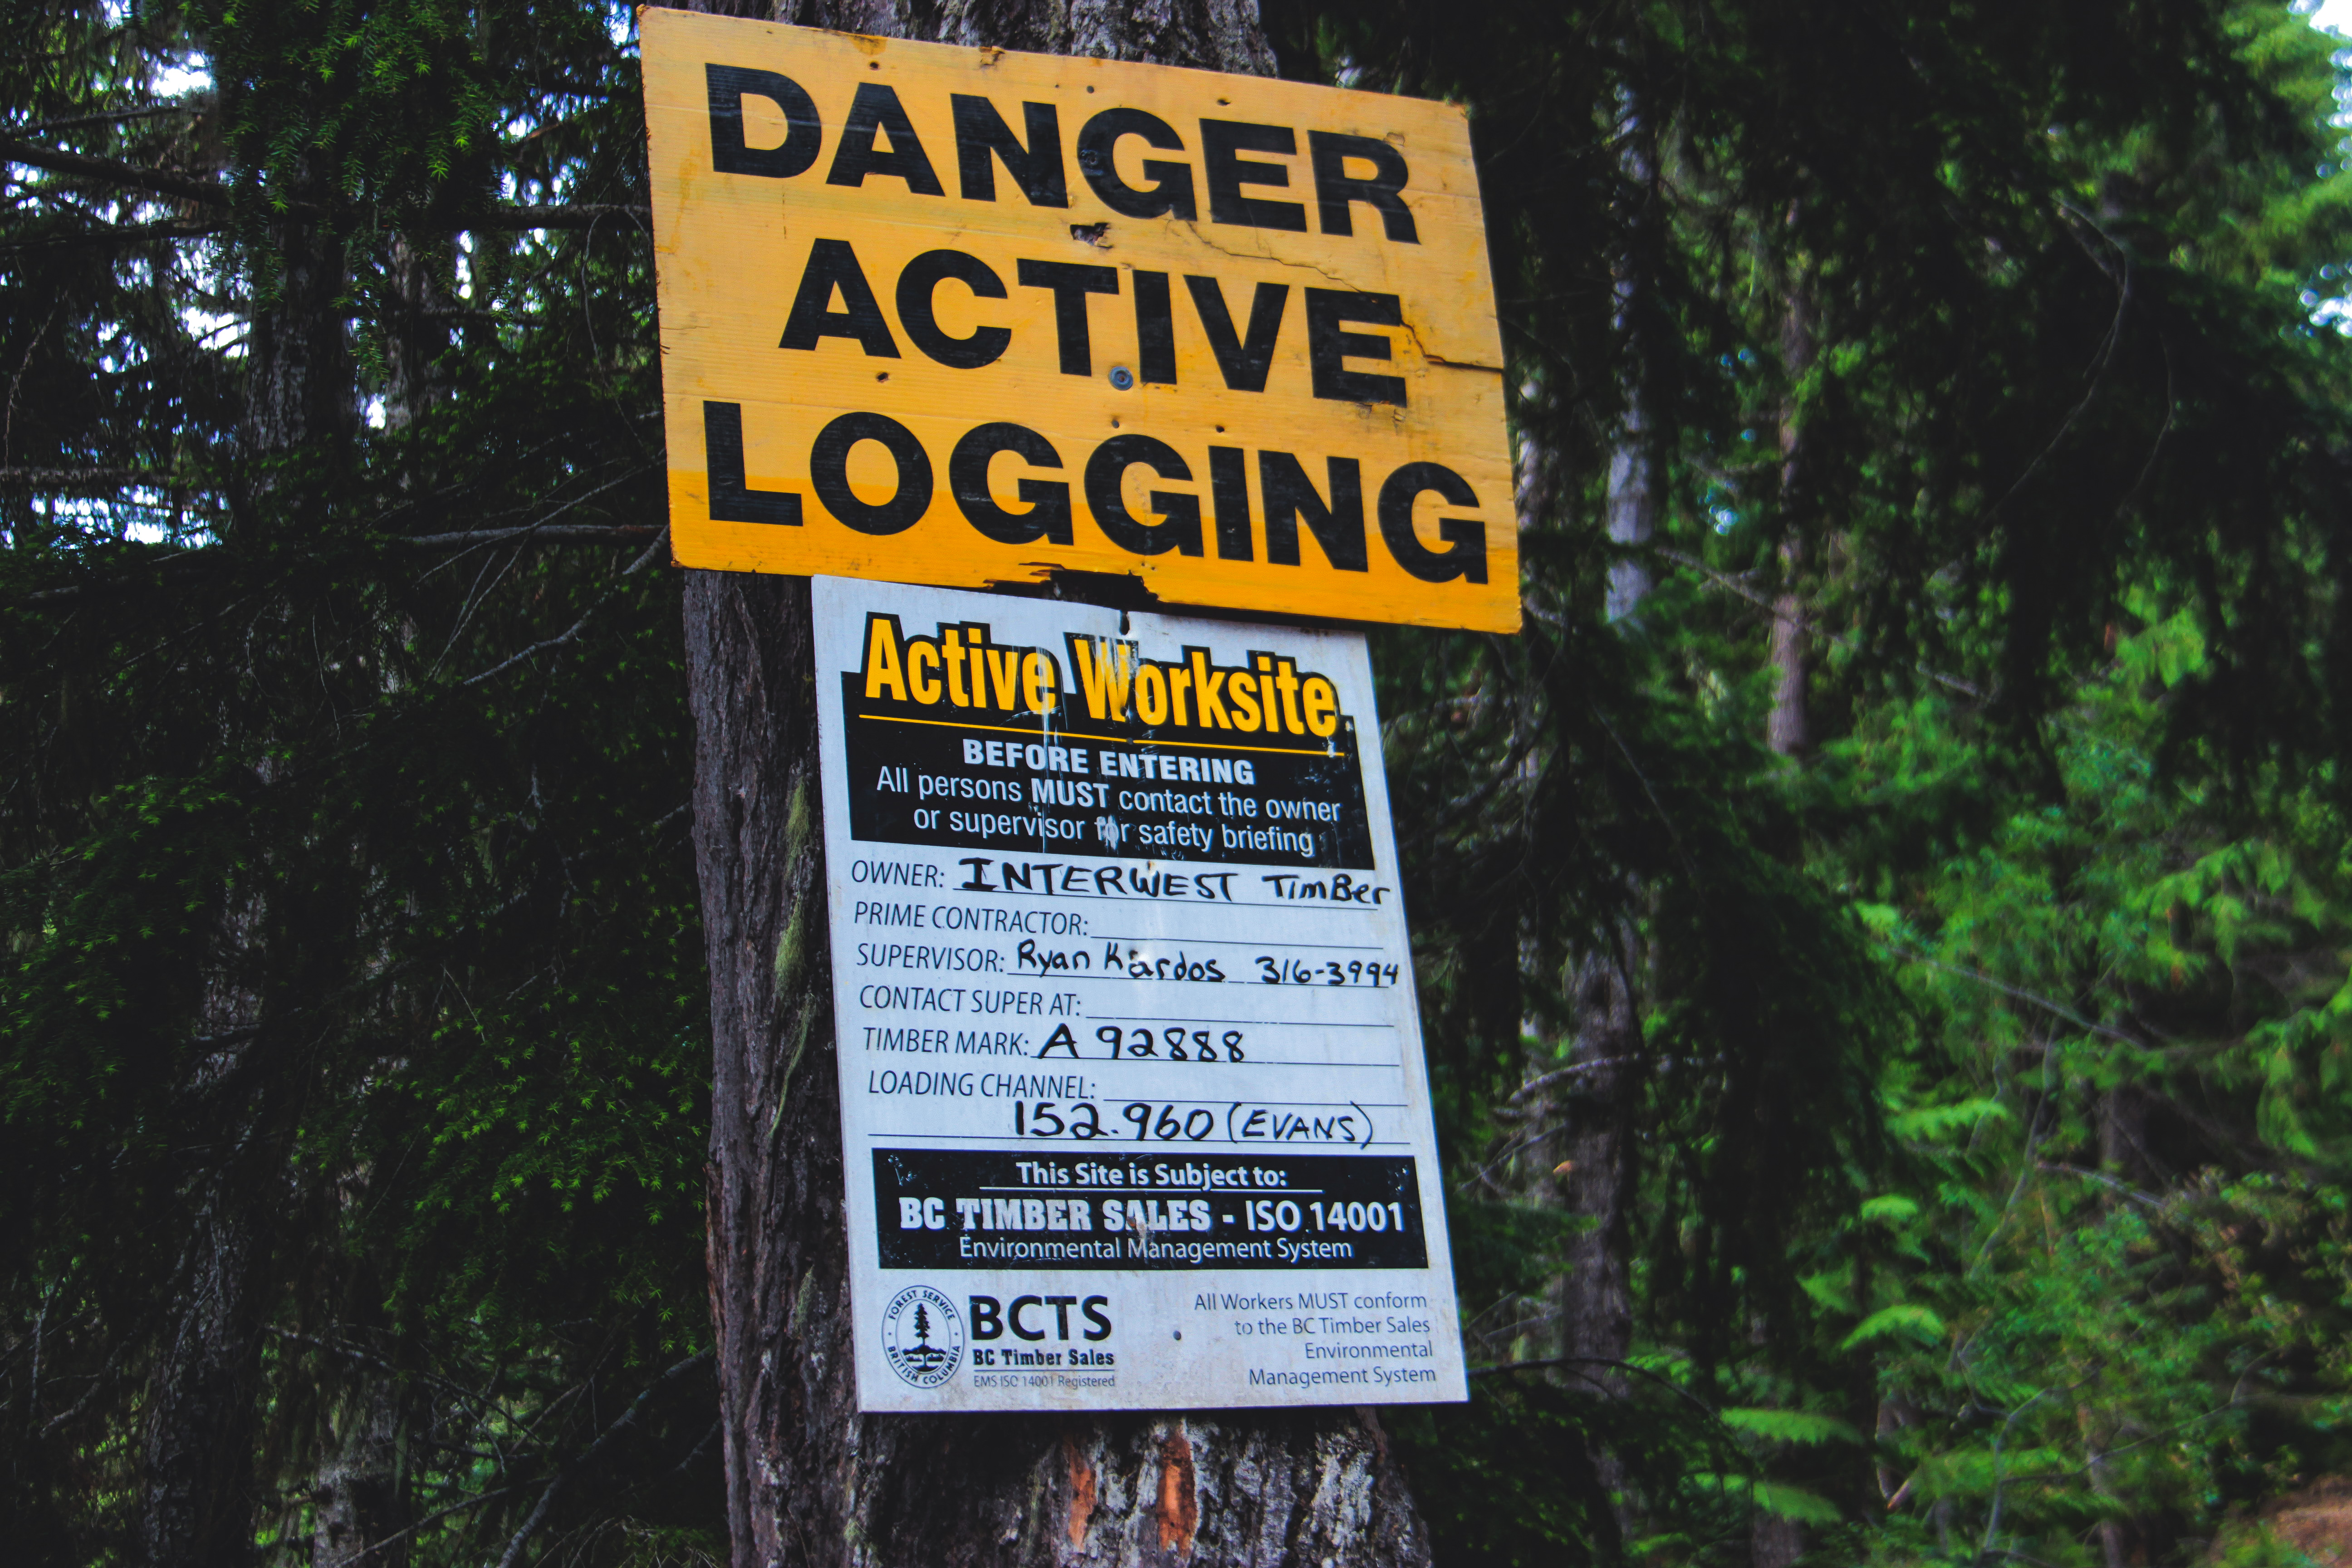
point(809, 1479)
point(358, 1502)
point(1636, 478)
point(1592, 1299)
point(359, 1494)
point(1774, 1542)
point(1595, 1296)
point(2122, 1118)
point(1787, 731)
point(197, 1492)
point(300, 385)
point(416, 335)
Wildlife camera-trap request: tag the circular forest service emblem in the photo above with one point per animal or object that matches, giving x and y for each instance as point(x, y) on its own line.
point(922, 1336)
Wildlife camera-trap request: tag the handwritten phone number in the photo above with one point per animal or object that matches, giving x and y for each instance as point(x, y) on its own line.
point(1308, 971)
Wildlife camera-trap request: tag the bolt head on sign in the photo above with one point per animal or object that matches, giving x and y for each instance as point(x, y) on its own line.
point(970, 316)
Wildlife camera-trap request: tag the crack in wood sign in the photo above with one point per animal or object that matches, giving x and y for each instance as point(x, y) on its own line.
point(975, 318)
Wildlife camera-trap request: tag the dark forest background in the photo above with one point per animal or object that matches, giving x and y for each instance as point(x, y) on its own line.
point(1884, 929)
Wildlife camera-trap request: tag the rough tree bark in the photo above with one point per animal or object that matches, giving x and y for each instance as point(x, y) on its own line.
point(1592, 1097)
point(298, 387)
point(417, 266)
point(1774, 1542)
point(196, 1481)
point(359, 1491)
point(1787, 731)
point(197, 1492)
point(809, 1479)
point(1594, 1296)
point(1584, 1167)
point(1576, 1159)
point(1635, 479)
point(358, 1500)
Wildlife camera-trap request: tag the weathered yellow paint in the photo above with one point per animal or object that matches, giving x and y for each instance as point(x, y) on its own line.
point(733, 247)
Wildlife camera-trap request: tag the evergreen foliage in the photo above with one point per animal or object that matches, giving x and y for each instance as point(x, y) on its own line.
point(1988, 1102)
point(346, 880)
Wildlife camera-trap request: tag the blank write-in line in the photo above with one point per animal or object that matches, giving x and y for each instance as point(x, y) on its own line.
point(1245, 1062)
point(1259, 1023)
point(1237, 942)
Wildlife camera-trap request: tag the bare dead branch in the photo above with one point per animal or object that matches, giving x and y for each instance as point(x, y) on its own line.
point(1810, 627)
point(581, 214)
point(576, 627)
point(595, 1451)
point(119, 234)
point(110, 117)
point(112, 172)
point(97, 478)
point(213, 193)
point(1536, 1085)
point(568, 533)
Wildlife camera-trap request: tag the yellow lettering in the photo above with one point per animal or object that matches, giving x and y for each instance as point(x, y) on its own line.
point(1104, 677)
point(922, 651)
point(1288, 684)
point(1322, 705)
point(1243, 695)
point(1041, 683)
point(882, 658)
point(1208, 692)
point(1003, 672)
point(1151, 695)
point(955, 657)
point(973, 637)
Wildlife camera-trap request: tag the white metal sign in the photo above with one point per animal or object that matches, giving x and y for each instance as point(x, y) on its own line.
point(1132, 1097)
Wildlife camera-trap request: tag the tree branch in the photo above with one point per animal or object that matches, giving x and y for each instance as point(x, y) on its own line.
point(110, 117)
point(2048, 1005)
point(1535, 1084)
point(161, 182)
point(1810, 627)
point(568, 215)
point(476, 1501)
point(595, 1450)
point(213, 193)
point(569, 633)
point(580, 533)
point(110, 478)
point(1677, 1390)
point(119, 234)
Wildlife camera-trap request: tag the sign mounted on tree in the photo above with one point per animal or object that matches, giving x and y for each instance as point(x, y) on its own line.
point(1134, 1109)
point(971, 317)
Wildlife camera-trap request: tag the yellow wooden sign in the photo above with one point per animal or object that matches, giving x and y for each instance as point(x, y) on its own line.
point(966, 316)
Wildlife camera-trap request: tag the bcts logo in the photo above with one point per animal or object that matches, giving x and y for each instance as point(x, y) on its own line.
point(922, 1337)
